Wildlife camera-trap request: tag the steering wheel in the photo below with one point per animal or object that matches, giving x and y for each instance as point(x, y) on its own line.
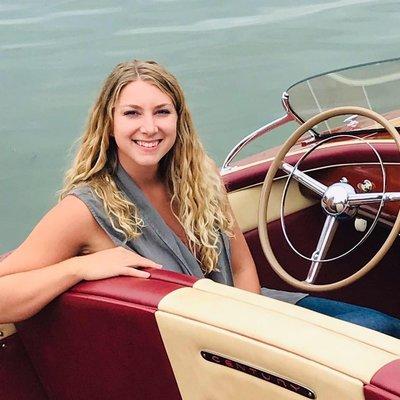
point(338, 201)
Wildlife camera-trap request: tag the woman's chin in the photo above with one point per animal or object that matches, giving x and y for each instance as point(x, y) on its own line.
point(146, 162)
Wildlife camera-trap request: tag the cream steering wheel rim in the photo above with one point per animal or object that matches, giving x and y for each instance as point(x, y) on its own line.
point(266, 191)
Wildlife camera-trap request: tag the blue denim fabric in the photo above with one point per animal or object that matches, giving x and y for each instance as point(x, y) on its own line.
point(351, 313)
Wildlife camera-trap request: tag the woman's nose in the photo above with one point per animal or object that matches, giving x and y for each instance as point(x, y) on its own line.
point(148, 126)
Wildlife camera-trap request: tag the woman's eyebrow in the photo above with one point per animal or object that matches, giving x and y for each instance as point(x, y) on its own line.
point(131, 106)
point(163, 105)
point(141, 108)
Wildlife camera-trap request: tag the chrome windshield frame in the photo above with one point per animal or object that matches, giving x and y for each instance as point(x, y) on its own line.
point(289, 116)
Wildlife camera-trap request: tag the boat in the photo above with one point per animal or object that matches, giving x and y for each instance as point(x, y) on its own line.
point(321, 215)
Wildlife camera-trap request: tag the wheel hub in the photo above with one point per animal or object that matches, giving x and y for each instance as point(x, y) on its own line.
point(335, 200)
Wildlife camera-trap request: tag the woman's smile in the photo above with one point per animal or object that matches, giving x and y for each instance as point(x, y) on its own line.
point(147, 144)
point(144, 130)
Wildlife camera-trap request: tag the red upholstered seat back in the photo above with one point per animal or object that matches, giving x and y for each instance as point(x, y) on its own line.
point(100, 340)
point(18, 379)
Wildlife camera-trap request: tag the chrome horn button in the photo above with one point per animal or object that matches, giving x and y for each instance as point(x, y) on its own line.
point(335, 200)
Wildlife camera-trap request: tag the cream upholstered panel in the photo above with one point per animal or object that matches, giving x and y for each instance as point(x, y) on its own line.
point(6, 330)
point(368, 336)
point(328, 362)
point(199, 379)
point(244, 203)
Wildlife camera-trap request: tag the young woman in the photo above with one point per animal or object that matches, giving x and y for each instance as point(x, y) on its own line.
point(141, 193)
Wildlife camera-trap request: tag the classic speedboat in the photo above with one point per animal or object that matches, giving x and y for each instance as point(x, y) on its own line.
point(320, 214)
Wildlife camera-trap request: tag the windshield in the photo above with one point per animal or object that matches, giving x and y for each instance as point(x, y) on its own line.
point(375, 86)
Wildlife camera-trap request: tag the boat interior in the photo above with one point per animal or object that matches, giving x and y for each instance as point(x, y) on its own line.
point(178, 337)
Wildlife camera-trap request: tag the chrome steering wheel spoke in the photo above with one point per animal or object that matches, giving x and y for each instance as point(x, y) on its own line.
point(324, 243)
point(359, 199)
point(304, 179)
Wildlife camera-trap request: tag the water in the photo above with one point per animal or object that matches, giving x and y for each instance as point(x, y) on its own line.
point(233, 58)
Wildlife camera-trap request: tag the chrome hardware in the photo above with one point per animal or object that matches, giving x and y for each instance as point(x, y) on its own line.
point(304, 179)
point(335, 200)
point(366, 186)
point(369, 198)
point(348, 201)
point(3, 346)
point(351, 121)
point(1, 333)
point(263, 374)
point(254, 135)
point(344, 180)
point(324, 242)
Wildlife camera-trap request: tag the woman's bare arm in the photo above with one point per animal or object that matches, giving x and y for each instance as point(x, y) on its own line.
point(48, 262)
point(243, 266)
point(25, 293)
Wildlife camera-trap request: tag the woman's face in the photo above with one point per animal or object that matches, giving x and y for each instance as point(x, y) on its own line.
point(145, 122)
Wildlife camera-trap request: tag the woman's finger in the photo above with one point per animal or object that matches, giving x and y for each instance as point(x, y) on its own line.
point(131, 271)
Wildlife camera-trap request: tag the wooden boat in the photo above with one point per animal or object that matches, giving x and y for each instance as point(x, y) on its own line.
point(330, 200)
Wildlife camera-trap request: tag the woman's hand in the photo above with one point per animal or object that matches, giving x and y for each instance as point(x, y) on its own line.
point(113, 262)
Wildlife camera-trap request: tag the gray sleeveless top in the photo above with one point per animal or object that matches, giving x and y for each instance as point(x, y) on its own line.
point(158, 242)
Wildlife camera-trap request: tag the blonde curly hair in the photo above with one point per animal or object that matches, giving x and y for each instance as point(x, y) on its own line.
point(197, 193)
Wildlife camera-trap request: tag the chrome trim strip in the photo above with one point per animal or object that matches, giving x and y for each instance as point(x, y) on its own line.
point(290, 116)
point(254, 135)
point(7, 330)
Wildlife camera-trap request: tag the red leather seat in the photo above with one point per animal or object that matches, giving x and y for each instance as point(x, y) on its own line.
point(100, 340)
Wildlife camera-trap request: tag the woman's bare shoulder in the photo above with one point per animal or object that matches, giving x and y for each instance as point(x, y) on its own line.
point(69, 218)
point(64, 232)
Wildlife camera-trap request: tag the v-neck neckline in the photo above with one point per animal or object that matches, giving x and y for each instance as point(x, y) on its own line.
point(153, 219)
point(165, 220)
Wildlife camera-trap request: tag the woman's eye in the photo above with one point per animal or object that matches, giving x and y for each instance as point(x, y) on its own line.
point(164, 111)
point(131, 113)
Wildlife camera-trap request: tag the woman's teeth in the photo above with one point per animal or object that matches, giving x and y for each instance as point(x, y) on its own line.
point(147, 144)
